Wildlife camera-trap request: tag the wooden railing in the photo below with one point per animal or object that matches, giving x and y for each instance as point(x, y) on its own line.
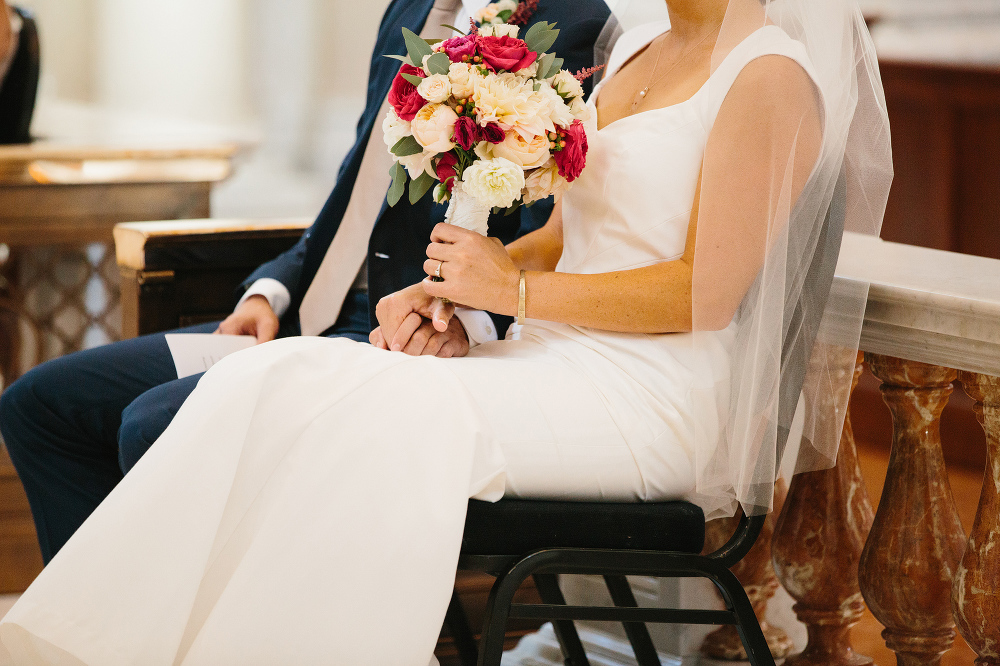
point(932, 317)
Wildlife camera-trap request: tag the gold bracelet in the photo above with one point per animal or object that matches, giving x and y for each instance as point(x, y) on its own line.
point(520, 302)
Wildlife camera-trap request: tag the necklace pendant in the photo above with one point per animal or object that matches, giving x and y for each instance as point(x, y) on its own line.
point(642, 93)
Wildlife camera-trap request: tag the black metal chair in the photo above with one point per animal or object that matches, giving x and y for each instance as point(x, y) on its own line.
point(514, 539)
point(20, 87)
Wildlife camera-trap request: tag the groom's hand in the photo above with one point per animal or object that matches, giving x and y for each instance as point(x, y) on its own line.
point(415, 323)
point(253, 317)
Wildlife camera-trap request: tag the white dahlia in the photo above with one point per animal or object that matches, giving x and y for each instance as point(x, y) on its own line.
point(496, 183)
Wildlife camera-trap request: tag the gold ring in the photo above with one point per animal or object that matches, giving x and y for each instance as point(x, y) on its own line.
point(437, 273)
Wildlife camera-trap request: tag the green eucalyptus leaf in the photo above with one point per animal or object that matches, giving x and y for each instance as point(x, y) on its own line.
point(535, 31)
point(505, 15)
point(545, 64)
point(420, 187)
point(513, 209)
point(400, 58)
point(432, 42)
point(413, 78)
point(399, 176)
point(416, 47)
point(451, 27)
point(556, 66)
point(439, 63)
point(543, 41)
point(406, 146)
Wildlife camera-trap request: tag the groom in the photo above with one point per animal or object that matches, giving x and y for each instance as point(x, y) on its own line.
point(74, 425)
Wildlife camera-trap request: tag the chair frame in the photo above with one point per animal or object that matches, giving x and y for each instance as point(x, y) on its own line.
point(614, 565)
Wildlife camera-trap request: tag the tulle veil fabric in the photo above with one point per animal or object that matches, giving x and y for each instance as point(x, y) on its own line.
point(780, 313)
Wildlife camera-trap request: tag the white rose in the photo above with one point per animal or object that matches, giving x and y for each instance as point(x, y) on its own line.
point(580, 109)
point(463, 80)
point(544, 182)
point(434, 127)
point(487, 14)
point(496, 183)
point(499, 30)
point(567, 85)
point(526, 153)
point(419, 163)
point(507, 5)
point(394, 128)
point(435, 88)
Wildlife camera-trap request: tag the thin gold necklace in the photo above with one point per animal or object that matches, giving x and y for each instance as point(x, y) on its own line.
point(641, 95)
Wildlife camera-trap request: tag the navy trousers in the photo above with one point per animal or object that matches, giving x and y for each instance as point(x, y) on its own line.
point(76, 425)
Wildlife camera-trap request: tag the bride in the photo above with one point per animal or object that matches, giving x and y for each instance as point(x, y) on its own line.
point(289, 518)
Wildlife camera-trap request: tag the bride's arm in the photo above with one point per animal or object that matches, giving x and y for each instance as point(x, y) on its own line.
point(540, 250)
point(768, 123)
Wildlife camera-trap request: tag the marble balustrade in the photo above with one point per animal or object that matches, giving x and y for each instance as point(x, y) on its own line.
point(932, 317)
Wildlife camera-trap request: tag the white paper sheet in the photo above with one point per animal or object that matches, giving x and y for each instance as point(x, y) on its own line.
point(197, 352)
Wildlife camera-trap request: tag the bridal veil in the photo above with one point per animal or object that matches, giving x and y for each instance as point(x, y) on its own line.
point(787, 333)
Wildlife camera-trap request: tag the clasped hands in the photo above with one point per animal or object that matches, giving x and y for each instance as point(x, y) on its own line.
point(476, 271)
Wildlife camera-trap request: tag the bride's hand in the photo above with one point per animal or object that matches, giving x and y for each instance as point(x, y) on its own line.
point(477, 270)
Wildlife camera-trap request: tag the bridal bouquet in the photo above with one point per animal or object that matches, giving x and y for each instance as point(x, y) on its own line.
point(489, 120)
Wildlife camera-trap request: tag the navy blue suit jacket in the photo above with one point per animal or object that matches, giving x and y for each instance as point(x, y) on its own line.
point(398, 244)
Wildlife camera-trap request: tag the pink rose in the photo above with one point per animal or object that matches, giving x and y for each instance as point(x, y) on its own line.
point(492, 133)
point(507, 53)
point(459, 47)
point(446, 170)
point(573, 156)
point(466, 132)
point(403, 95)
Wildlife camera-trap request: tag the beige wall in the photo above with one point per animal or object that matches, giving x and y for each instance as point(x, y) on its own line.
point(69, 69)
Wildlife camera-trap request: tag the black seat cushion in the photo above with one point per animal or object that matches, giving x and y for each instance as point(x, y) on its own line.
point(516, 527)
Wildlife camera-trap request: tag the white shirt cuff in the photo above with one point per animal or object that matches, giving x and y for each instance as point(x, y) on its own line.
point(276, 294)
point(478, 326)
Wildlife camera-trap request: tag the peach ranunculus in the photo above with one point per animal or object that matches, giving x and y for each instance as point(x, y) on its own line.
point(544, 182)
point(526, 153)
point(434, 127)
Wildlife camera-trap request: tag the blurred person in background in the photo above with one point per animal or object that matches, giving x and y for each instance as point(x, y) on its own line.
point(9, 29)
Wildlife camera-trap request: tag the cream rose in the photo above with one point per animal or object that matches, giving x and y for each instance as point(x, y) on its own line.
point(555, 109)
point(526, 153)
point(507, 5)
point(435, 88)
point(487, 14)
point(499, 30)
point(544, 182)
point(434, 127)
point(580, 109)
point(567, 85)
point(496, 183)
point(394, 128)
point(419, 163)
point(529, 72)
point(463, 80)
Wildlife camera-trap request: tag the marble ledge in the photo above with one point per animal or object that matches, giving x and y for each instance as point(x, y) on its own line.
point(924, 305)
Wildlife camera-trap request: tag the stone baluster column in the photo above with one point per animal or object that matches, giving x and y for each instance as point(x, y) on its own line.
point(916, 541)
point(756, 574)
point(976, 592)
point(816, 549)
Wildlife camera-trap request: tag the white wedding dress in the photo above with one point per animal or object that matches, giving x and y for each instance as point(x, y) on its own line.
point(306, 505)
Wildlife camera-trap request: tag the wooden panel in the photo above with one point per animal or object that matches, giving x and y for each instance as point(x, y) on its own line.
point(53, 214)
point(20, 558)
point(978, 181)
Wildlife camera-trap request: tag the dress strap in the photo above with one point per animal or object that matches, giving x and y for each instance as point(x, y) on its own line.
point(768, 40)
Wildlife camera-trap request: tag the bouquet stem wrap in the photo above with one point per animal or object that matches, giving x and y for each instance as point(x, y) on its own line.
point(467, 212)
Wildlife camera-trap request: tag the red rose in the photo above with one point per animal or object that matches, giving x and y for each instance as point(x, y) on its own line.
point(492, 133)
point(466, 132)
point(403, 95)
point(459, 47)
point(446, 170)
point(573, 157)
point(508, 53)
